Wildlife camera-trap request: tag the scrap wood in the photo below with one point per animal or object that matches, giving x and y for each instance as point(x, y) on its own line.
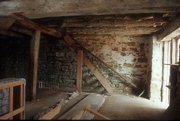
point(88, 109)
point(51, 114)
point(80, 114)
point(96, 114)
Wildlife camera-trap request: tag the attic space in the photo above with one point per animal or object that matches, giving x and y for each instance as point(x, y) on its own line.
point(90, 59)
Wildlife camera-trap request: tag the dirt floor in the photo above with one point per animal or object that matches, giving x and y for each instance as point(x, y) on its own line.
point(115, 107)
point(121, 107)
point(45, 99)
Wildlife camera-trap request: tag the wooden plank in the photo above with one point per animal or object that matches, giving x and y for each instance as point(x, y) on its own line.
point(22, 100)
point(102, 117)
point(78, 116)
point(58, 8)
point(105, 83)
point(171, 50)
point(51, 114)
point(96, 100)
point(11, 100)
point(79, 70)
point(30, 24)
point(69, 40)
point(176, 50)
point(34, 56)
point(12, 84)
point(162, 85)
point(119, 74)
point(11, 114)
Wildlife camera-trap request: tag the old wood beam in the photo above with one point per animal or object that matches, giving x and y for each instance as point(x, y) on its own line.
point(54, 8)
point(69, 40)
point(105, 83)
point(35, 43)
point(30, 24)
point(79, 70)
point(114, 23)
point(100, 116)
point(22, 30)
point(7, 23)
point(112, 30)
point(170, 31)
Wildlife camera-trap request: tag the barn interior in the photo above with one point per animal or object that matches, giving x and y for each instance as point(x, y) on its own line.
point(90, 59)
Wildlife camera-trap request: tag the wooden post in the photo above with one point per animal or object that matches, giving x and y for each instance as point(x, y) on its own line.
point(79, 70)
point(162, 85)
point(34, 59)
point(22, 100)
point(11, 100)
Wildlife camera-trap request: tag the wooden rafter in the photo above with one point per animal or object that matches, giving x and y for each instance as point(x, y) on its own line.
point(105, 83)
point(79, 70)
point(7, 23)
point(30, 24)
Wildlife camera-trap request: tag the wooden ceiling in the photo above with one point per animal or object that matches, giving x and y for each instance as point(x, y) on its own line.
point(125, 25)
point(94, 17)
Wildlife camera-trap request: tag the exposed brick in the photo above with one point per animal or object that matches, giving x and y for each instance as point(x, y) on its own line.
point(115, 49)
point(142, 60)
point(124, 49)
point(138, 66)
point(134, 49)
point(131, 43)
point(123, 54)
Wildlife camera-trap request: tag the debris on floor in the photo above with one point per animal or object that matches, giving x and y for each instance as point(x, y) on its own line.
point(53, 110)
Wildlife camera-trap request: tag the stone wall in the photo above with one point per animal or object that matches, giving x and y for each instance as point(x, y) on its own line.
point(57, 64)
point(127, 55)
point(4, 101)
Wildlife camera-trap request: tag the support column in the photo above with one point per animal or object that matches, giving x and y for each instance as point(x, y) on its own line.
point(79, 70)
point(35, 43)
point(156, 70)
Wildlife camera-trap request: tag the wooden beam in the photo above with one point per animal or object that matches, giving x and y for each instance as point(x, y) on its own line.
point(105, 83)
point(102, 117)
point(7, 23)
point(7, 85)
point(113, 30)
point(30, 24)
point(116, 23)
point(22, 100)
point(78, 116)
point(22, 30)
point(51, 114)
point(69, 40)
point(79, 70)
point(55, 8)
point(127, 79)
point(11, 100)
point(11, 114)
point(171, 30)
point(35, 43)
